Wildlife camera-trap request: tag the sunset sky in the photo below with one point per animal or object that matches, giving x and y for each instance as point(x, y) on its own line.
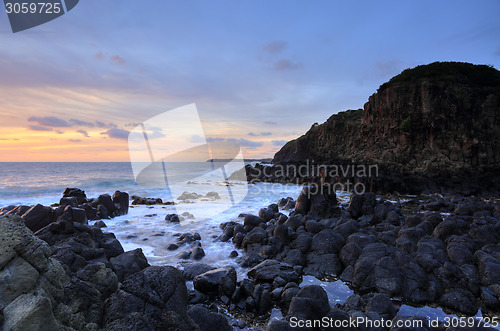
point(259, 72)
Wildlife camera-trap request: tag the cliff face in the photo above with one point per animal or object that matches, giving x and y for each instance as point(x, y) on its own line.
point(438, 120)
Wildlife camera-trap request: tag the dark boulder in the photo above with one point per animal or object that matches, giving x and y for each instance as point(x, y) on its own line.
point(38, 217)
point(128, 263)
point(327, 241)
point(211, 282)
point(310, 303)
point(253, 220)
point(106, 201)
point(80, 195)
point(192, 269)
point(268, 270)
point(121, 201)
point(208, 320)
point(157, 295)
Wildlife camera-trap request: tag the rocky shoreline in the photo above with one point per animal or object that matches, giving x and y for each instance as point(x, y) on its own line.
point(433, 250)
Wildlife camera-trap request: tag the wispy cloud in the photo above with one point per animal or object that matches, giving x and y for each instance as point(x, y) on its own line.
point(286, 64)
point(271, 123)
point(99, 56)
point(116, 59)
point(275, 47)
point(105, 125)
point(50, 121)
point(82, 123)
point(266, 133)
point(75, 140)
point(39, 128)
point(84, 133)
point(116, 133)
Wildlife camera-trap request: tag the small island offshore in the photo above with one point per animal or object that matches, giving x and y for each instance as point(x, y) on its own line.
point(418, 226)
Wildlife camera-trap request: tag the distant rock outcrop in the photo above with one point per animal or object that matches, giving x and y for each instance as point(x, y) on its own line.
point(435, 126)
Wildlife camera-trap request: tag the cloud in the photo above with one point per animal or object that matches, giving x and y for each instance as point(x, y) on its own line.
point(105, 125)
point(261, 134)
point(286, 64)
point(116, 133)
point(133, 124)
point(271, 123)
point(59, 131)
point(50, 121)
point(39, 128)
point(117, 59)
point(75, 140)
point(275, 47)
point(247, 143)
point(99, 56)
point(81, 123)
point(279, 142)
point(85, 133)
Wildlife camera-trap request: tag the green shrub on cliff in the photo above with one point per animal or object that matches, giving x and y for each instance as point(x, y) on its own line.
point(405, 126)
point(482, 76)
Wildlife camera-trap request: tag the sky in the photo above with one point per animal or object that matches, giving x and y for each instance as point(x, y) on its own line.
point(260, 72)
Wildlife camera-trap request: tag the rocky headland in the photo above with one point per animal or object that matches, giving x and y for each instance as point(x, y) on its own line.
point(433, 128)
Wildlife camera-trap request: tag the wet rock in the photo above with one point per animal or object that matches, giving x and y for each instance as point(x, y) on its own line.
point(322, 264)
point(214, 280)
point(121, 201)
point(313, 226)
point(327, 241)
point(266, 214)
point(294, 221)
point(262, 298)
point(268, 270)
point(76, 193)
point(197, 253)
point(100, 224)
point(256, 235)
point(106, 201)
point(192, 269)
point(208, 320)
point(318, 201)
point(38, 217)
point(382, 305)
point(172, 247)
point(129, 263)
point(459, 300)
point(302, 242)
point(155, 297)
point(184, 255)
point(450, 227)
point(252, 220)
point(310, 303)
point(174, 218)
